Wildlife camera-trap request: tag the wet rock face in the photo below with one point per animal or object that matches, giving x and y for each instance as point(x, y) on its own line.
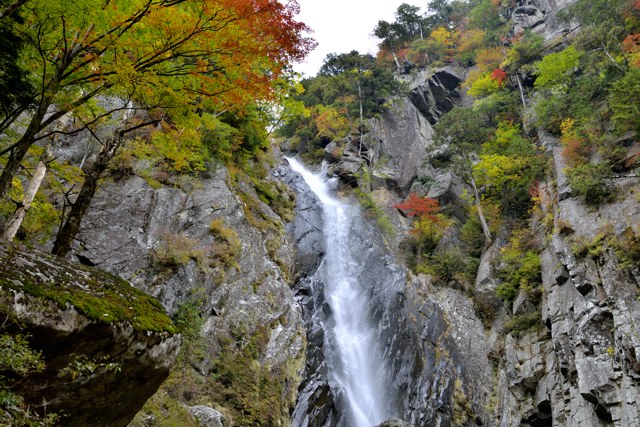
point(306, 227)
point(130, 362)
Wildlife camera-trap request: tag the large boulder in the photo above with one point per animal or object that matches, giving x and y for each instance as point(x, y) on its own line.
point(106, 345)
point(541, 17)
point(396, 144)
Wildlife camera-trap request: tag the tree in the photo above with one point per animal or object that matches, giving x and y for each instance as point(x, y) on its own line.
point(557, 70)
point(205, 56)
point(460, 134)
point(428, 225)
point(604, 24)
point(408, 17)
point(219, 51)
point(359, 76)
point(16, 92)
point(417, 206)
point(441, 13)
point(624, 101)
point(392, 35)
point(485, 16)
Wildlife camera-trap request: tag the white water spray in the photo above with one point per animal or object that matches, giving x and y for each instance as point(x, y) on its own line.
point(350, 338)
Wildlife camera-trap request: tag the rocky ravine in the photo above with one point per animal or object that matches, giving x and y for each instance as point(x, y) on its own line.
point(576, 367)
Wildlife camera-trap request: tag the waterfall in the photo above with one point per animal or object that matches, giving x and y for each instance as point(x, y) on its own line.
point(355, 369)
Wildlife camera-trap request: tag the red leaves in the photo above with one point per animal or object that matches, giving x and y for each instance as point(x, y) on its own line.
point(631, 43)
point(421, 207)
point(499, 76)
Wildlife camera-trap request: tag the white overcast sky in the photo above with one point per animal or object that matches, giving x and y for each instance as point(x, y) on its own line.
point(341, 26)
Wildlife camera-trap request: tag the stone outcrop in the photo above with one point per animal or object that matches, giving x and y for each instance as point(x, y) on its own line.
point(435, 94)
point(207, 417)
point(393, 149)
point(541, 17)
point(107, 346)
point(205, 243)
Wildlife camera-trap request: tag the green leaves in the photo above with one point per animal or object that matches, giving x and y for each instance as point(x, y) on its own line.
point(557, 70)
point(17, 356)
point(624, 101)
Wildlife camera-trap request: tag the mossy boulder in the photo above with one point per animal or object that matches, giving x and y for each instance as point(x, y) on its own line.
point(106, 345)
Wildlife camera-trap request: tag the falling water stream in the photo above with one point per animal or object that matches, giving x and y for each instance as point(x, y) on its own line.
point(350, 350)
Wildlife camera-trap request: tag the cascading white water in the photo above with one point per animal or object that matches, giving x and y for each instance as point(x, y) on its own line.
point(350, 338)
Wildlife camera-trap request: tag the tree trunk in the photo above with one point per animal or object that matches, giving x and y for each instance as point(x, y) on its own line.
point(38, 121)
point(395, 58)
point(21, 148)
point(18, 216)
point(361, 117)
point(483, 221)
point(524, 103)
point(69, 229)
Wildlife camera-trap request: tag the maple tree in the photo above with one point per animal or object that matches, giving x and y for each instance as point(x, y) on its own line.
point(499, 76)
point(418, 206)
point(158, 53)
point(173, 59)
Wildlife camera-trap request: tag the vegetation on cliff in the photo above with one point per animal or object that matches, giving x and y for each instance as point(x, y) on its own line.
point(165, 90)
point(580, 87)
point(174, 83)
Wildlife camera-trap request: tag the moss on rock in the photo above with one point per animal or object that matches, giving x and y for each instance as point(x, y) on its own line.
point(97, 295)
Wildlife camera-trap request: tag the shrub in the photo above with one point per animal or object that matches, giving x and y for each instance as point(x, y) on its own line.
point(370, 205)
point(520, 267)
point(628, 248)
point(590, 181)
point(227, 247)
point(17, 360)
point(177, 249)
point(445, 265)
point(472, 236)
point(522, 323)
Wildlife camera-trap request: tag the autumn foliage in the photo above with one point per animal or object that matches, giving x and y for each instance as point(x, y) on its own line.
point(499, 76)
point(631, 45)
point(420, 207)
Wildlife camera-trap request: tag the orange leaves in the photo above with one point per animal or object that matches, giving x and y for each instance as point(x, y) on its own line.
point(490, 58)
point(421, 207)
point(499, 76)
point(631, 45)
point(575, 148)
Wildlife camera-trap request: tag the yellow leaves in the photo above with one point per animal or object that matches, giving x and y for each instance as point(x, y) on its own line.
point(442, 36)
point(490, 59)
point(567, 125)
point(505, 134)
point(497, 170)
point(484, 86)
point(331, 123)
point(181, 148)
point(487, 60)
point(471, 39)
